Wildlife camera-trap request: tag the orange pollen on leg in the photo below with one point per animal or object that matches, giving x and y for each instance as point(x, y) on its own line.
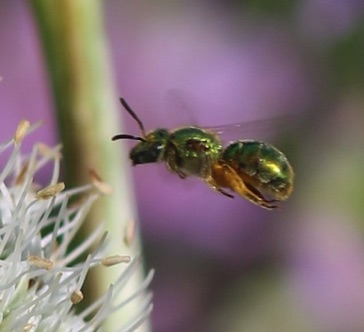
point(224, 176)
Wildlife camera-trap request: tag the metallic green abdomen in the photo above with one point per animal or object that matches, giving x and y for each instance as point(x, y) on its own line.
point(262, 166)
point(191, 151)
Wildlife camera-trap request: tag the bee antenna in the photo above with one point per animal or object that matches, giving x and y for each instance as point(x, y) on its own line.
point(127, 136)
point(133, 115)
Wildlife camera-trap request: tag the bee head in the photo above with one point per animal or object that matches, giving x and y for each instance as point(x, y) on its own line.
point(151, 149)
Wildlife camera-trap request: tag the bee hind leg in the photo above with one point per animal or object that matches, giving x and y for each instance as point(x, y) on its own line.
point(212, 183)
point(222, 191)
point(256, 197)
point(224, 176)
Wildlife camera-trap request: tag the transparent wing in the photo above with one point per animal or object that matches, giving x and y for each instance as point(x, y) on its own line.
point(260, 129)
point(178, 108)
point(181, 103)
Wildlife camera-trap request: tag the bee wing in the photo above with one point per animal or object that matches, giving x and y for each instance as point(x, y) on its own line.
point(180, 102)
point(177, 107)
point(260, 129)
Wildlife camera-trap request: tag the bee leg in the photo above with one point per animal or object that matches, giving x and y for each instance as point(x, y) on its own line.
point(212, 183)
point(174, 168)
point(258, 198)
point(222, 191)
point(266, 204)
point(180, 174)
point(173, 161)
point(207, 175)
point(223, 176)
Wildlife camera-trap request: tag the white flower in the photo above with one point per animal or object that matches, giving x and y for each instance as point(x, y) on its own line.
point(38, 284)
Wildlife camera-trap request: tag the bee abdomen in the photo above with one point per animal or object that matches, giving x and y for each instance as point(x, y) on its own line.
point(261, 165)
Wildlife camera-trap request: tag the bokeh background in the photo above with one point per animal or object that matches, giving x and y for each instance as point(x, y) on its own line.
point(292, 72)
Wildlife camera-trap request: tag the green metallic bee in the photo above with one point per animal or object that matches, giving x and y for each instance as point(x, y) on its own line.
point(253, 169)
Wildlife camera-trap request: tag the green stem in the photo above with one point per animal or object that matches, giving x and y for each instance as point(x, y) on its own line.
point(88, 115)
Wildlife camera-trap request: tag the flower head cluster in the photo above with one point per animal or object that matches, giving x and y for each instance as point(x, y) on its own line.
point(39, 285)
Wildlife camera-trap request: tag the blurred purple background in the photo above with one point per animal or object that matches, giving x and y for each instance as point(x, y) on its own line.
point(221, 264)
